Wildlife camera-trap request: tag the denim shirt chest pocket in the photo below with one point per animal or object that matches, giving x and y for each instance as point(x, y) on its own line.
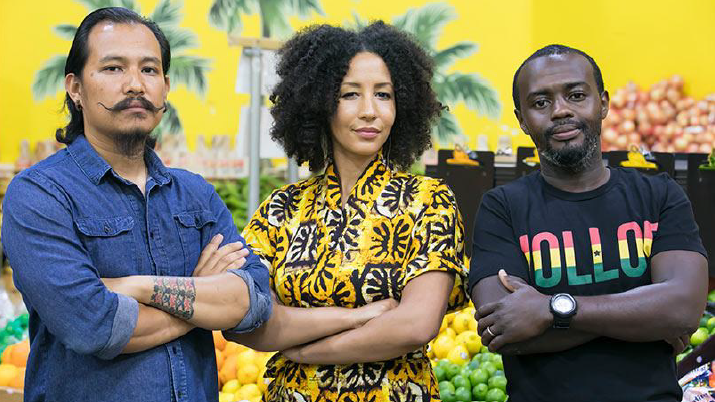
point(110, 243)
point(195, 231)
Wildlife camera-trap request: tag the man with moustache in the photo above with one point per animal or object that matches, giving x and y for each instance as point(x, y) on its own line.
point(104, 219)
point(598, 266)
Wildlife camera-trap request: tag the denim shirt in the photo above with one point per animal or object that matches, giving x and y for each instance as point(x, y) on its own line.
point(69, 221)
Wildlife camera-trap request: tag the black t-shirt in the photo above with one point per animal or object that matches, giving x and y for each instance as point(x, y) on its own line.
point(592, 243)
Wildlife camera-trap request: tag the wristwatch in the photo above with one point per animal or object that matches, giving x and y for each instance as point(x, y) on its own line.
point(563, 306)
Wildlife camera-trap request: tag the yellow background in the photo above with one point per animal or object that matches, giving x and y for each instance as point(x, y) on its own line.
point(639, 40)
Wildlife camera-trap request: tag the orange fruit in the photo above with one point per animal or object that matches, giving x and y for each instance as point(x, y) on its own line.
point(219, 341)
point(442, 345)
point(5, 357)
point(231, 348)
point(20, 353)
point(461, 322)
point(19, 380)
point(7, 374)
point(247, 374)
point(219, 358)
point(228, 370)
point(450, 332)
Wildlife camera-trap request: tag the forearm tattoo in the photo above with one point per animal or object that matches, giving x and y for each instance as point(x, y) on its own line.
point(176, 296)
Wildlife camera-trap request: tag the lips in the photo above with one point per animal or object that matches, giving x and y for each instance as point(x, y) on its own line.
point(368, 132)
point(565, 132)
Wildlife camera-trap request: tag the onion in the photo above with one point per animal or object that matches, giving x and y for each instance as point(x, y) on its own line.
point(621, 142)
point(676, 82)
point(683, 119)
point(634, 139)
point(610, 135)
point(692, 148)
point(657, 94)
point(672, 95)
point(628, 114)
point(628, 126)
point(705, 148)
point(680, 144)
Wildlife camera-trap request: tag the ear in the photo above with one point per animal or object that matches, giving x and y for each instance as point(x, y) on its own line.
point(523, 126)
point(167, 86)
point(605, 104)
point(73, 86)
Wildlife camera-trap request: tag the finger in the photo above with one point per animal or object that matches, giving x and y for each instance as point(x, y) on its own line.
point(221, 253)
point(504, 279)
point(486, 309)
point(497, 343)
point(488, 335)
point(209, 249)
point(485, 323)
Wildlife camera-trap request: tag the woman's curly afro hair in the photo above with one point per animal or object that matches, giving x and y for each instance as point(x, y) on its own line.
point(311, 68)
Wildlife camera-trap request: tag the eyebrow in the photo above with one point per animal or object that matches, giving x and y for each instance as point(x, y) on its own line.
point(357, 85)
point(568, 85)
point(148, 59)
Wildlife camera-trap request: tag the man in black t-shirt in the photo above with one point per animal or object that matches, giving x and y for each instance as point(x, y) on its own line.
point(604, 270)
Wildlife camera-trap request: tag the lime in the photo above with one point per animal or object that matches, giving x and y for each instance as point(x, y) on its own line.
point(446, 386)
point(451, 370)
point(700, 336)
point(498, 373)
point(473, 365)
point(498, 362)
point(461, 381)
point(443, 363)
point(488, 356)
point(498, 382)
point(484, 349)
point(479, 376)
point(489, 367)
point(463, 394)
point(711, 323)
point(680, 357)
point(448, 396)
point(440, 374)
point(479, 392)
point(704, 321)
point(496, 395)
point(711, 296)
point(465, 372)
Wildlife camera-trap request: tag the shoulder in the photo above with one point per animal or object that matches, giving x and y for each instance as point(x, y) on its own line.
point(45, 177)
point(516, 191)
point(657, 186)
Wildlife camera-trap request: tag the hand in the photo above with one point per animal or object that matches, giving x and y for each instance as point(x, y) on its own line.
point(294, 354)
point(679, 344)
point(517, 317)
point(363, 314)
point(216, 260)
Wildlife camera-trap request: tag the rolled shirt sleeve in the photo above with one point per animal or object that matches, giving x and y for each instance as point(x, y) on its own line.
point(55, 274)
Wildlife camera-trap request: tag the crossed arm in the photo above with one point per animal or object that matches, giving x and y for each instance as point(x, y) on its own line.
point(668, 309)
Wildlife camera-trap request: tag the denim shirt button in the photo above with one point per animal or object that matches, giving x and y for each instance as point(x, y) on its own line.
point(107, 229)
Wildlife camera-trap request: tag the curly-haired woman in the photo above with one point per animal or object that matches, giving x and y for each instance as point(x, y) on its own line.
point(360, 106)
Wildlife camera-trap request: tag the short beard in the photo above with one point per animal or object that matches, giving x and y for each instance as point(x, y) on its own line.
point(574, 159)
point(130, 143)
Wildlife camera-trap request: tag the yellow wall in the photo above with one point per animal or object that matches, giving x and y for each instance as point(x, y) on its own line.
point(639, 40)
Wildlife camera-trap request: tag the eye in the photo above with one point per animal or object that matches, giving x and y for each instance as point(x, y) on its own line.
point(349, 95)
point(577, 96)
point(540, 103)
point(384, 95)
point(112, 69)
point(150, 70)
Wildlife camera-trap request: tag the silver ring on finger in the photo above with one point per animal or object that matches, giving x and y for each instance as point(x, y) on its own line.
point(489, 329)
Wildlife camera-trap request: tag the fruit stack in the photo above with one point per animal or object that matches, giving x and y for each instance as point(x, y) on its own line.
point(662, 119)
point(465, 369)
point(705, 330)
point(14, 353)
point(240, 371)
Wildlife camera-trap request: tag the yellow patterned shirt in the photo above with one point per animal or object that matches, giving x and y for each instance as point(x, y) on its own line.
point(394, 227)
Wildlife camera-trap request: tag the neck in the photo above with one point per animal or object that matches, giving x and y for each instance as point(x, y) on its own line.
point(349, 169)
point(131, 168)
point(594, 176)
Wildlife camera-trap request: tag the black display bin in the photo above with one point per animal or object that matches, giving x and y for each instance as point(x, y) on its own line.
point(665, 162)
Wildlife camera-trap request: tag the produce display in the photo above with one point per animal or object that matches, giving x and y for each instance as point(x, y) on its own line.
point(661, 119)
point(234, 194)
point(705, 330)
point(15, 348)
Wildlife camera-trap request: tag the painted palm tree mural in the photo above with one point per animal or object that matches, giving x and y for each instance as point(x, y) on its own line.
point(426, 24)
point(226, 14)
point(187, 70)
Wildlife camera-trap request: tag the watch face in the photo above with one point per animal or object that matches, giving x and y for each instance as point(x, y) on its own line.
point(563, 304)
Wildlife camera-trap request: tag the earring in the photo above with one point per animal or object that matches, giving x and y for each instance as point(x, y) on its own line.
point(78, 105)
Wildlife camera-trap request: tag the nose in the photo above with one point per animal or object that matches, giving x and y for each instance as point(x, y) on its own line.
point(134, 83)
point(561, 109)
point(367, 108)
